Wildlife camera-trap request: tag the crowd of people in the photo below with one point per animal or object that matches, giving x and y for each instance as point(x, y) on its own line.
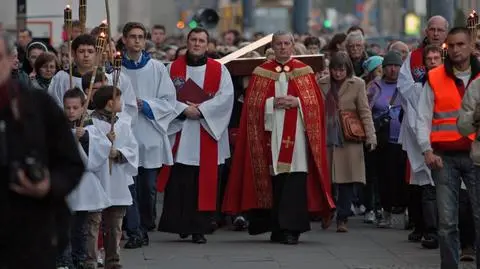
point(374, 133)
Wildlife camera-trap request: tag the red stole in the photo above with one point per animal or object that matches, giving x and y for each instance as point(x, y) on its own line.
point(208, 170)
point(287, 145)
point(416, 65)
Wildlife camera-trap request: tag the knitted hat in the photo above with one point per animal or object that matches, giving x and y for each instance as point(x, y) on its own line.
point(372, 63)
point(392, 58)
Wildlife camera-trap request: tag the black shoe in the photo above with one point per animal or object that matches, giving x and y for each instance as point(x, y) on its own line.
point(467, 255)
point(276, 237)
point(430, 242)
point(184, 236)
point(145, 239)
point(133, 243)
point(415, 236)
point(199, 239)
point(290, 239)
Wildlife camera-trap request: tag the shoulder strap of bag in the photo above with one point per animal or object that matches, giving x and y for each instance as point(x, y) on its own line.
point(394, 97)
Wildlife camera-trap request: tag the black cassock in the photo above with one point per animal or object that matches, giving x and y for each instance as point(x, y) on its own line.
point(180, 213)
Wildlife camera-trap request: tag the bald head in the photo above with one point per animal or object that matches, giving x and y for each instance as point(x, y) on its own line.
point(401, 48)
point(436, 31)
point(437, 20)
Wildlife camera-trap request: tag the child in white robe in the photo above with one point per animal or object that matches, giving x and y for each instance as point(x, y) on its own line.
point(122, 166)
point(89, 195)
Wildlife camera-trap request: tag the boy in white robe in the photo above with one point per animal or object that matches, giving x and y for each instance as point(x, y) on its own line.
point(156, 101)
point(89, 195)
point(84, 55)
point(121, 168)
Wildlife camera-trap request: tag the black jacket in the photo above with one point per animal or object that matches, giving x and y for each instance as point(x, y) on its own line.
point(28, 223)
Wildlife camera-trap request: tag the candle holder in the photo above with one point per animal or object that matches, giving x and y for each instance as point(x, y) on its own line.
point(444, 51)
point(82, 15)
point(117, 68)
point(472, 24)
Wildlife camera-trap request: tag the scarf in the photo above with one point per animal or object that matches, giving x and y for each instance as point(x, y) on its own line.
point(43, 82)
point(104, 115)
point(334, 130)
point(132, 64)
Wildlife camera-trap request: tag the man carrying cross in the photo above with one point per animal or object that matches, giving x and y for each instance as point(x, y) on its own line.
point(279, 172)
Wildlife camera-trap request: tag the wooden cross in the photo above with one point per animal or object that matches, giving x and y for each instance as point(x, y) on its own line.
point(288, 142)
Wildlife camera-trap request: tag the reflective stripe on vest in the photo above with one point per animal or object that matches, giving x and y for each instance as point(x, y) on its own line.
point(446, 108)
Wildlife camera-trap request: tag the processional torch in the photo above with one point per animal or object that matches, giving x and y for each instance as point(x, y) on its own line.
point(117, 69)
point(82, 15)
point(444, 51)
point(472, 24)
point(99, 47)
point(67, 19)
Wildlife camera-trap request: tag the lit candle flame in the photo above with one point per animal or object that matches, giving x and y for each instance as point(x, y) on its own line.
point(102, 34)
point(67, 7)
point(104, 22)
point(444, 46)
point(118, 54)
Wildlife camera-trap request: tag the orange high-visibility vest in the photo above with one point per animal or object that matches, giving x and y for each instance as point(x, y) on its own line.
point(446, 108)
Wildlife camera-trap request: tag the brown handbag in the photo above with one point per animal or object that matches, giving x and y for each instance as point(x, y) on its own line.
point(352, 126)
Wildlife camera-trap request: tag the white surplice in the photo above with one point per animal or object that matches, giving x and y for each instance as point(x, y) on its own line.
point(152, 84)
point(116, 184)
point(216, 117)
point(61, 83)
point(409, 93)
point(90, 195)
point(274, 121)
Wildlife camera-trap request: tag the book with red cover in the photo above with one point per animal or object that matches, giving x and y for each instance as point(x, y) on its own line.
point(191, 92)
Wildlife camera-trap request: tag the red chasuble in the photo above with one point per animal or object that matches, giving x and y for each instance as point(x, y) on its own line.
point(249, 185)
point(208, 171)
point(416, 64)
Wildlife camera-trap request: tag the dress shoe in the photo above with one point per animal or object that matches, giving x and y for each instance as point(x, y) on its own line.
point(467, 255)
point(290, 239)
point(240, 224)
point(199, 239)
point(415, 236)
point(133, 243)
point(184, 236)
point(327, 221)
point(430, 241)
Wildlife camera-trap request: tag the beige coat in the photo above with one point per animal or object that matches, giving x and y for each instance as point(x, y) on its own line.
point(347, 164)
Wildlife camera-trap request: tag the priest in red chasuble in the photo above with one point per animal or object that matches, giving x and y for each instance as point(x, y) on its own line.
point(279, 174)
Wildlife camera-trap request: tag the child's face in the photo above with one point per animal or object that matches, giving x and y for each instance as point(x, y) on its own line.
point(115, 105)
point(73, 108)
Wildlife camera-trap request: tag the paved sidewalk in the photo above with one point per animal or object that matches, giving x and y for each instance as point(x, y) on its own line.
point(363, 247)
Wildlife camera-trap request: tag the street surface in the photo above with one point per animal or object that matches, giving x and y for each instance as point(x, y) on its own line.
point(364, 246)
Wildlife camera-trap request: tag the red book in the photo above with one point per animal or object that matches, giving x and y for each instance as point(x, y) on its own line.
point(191, 92)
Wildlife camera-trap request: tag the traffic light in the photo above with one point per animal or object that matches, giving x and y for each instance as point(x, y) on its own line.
point(180, 25)
point(327, 24)
point(193, 24)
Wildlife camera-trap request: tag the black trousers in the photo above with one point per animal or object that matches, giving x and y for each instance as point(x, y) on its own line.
point(422, 209)
point(465, 221)
point(290, 207)
point(391, 176)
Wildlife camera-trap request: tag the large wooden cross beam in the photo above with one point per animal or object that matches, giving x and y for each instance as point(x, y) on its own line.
point(238, 66)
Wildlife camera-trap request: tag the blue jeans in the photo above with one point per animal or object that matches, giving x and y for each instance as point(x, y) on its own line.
point(457, 166)
point(132, 217)
point(76, 250)
point(146, 197)
point(346, 194)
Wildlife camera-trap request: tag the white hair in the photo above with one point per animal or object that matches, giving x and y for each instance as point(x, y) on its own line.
point(354, 36)
point(437, 17)
point(283, 33)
